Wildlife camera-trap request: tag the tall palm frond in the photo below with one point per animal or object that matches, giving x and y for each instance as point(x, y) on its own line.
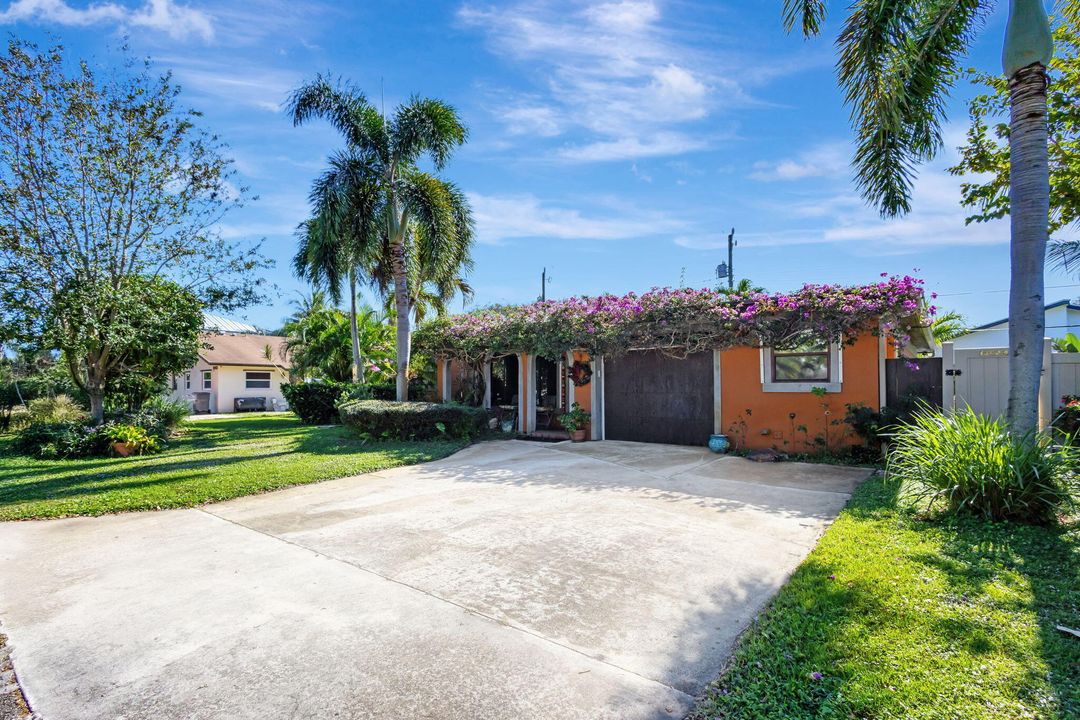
point(948, 326)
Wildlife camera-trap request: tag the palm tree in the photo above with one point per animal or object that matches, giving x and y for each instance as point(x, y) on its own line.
point(948, 326)
point(898, 60)
point(400, 215)
point(335, 242)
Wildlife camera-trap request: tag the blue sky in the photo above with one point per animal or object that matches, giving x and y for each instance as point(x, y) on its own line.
point(614, 143)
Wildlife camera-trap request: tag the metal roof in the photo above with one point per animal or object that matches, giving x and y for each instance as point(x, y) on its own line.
point(216, 323)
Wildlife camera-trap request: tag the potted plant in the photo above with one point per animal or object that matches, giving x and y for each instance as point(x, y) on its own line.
point(127, 440)
point(575, 422)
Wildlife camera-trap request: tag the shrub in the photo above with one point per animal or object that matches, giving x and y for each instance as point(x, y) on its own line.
point(14, 419)
point(159, 416)
point(974, 464)
point(576, 419)
point(138, 438)
point(419, 390)
point(315, 403)
point(54, 410)
point(60, 440)
point(413, 420)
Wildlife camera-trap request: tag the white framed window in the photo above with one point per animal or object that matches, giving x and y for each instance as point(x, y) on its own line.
point(256, 379)
point(187, 381)
point(207, 379)
point(802, 367)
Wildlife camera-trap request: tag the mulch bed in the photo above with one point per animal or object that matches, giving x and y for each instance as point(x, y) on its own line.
point(12, 702)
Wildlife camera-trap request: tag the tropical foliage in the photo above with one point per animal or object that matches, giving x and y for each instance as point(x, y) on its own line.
point(897, 63)
point(679, 320)
point(971, 462)
point(985, 155)
point(404, 226)
point(948, 326)
point(382, 420)
point(319, 337)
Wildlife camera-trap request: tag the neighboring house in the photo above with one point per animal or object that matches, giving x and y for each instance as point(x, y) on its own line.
point(1062, 318)
point(217, 324)
point(244, 366)
point(758, 397)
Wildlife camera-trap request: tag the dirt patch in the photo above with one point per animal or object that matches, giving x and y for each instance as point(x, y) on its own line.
point(12, 703)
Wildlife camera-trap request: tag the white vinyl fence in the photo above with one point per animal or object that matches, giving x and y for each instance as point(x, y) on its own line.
point(979, 378)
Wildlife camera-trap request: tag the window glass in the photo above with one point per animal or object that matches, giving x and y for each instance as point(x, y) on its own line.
point(801, 367)
point(206, 379)
point(256, 379)
point(187, 381)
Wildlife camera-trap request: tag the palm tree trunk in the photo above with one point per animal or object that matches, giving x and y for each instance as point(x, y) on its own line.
point(358, 362)
point(1029, 197)
point(401, 305)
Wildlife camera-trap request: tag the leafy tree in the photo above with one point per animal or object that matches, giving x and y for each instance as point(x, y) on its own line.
point(123, 336)
point(106, 182)
point(897, 63)
point(374, 191)
point(744, 286)
point(987, 149)
point(1068, 344)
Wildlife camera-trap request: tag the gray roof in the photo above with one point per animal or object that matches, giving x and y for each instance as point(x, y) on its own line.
point(216, 323)
point(1003, 321)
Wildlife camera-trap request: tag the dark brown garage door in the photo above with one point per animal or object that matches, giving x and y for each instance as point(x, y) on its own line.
point(651, 397)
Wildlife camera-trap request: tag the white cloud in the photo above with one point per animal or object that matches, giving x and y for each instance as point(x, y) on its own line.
point(828, 160)
point(177, 21)
point(611, 71)
point(506, 217)
point(234, 83)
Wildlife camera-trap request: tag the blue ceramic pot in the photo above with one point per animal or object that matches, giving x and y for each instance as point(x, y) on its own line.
point(719, 443)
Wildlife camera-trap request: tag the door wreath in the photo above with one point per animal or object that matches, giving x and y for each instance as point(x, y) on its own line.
point(580, 373)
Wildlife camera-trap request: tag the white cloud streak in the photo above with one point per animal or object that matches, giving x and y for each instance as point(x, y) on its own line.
point(175, 20)
point(611, 70)
point(506, 217)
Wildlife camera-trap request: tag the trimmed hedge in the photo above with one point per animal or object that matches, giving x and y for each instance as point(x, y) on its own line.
point(315, 403)
point(413, 420)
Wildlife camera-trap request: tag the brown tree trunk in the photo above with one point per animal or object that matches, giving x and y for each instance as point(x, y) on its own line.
point(1029, 198)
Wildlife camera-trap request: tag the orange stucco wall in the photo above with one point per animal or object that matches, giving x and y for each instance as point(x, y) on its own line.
point(755, 419)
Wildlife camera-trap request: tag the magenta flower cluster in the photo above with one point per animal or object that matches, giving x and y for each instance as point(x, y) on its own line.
point(678, 320)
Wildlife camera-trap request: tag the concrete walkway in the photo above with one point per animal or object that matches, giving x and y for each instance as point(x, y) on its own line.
point(513, 580)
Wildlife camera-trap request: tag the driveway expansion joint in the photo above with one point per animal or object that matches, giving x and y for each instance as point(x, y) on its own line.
point(471, 611)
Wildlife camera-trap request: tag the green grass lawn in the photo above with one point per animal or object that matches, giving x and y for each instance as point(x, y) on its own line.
point(897, 616)
point(212, 460)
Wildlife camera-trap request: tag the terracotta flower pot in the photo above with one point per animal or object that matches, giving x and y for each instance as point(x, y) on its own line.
point(577, 436)
point(123, 449)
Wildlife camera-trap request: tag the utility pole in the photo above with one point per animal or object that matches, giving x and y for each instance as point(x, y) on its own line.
point(731, 259)
point(543, 286)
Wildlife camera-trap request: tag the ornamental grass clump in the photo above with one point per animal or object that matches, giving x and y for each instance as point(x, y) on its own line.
point(974, 464)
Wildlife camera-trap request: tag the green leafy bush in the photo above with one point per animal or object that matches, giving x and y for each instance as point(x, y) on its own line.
point(576, 419)
point(413, 420)
point(53, 410)
point(315, 403)
point(140, 441)
point(159, 416)
point(974, 464)
point(419, 389)
point(60, 440)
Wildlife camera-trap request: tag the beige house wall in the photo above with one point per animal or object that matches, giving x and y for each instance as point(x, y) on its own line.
point(228, 382)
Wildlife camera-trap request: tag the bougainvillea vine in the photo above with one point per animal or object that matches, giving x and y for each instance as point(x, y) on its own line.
point(680, 321)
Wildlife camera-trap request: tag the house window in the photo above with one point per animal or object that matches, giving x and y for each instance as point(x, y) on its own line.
point(808, 362)
point(187, 381)
point(174, 383)
point(253, 379)
point(802, 367)
point(207, 379)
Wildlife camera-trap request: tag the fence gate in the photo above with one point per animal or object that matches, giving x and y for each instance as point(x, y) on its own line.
point(912, 380)
point(979, 378)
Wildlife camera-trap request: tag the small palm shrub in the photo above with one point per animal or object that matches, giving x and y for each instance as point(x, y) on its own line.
point(159, 416)
point(973, 463)
point(59, 409)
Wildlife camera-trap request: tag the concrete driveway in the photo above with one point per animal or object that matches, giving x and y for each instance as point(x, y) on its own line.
point(512, 580)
